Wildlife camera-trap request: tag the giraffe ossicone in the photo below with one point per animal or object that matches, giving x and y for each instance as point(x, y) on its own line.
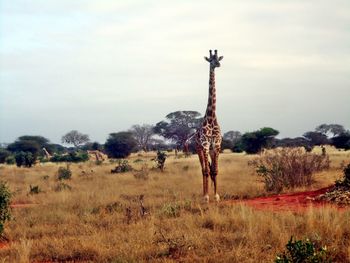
point(208, 136)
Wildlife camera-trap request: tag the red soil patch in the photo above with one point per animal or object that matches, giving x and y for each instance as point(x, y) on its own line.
point(296, 202)
point(4, 245)
point(22, 205)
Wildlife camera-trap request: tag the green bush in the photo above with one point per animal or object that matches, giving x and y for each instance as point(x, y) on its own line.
point(64, 173)
point(24, 145)
point(160, 160)
point(5, 197)
point(34, 189)
point(122, 167)
point(238, 147)
point(4, 154)
point(10, 159)
point(120, 145)
point(171, 210)
point(73, 157)
point(226, 144)
point(26, 159)
point(342, 141)
point(254, 142)
point(303, 251)
point(20, 158)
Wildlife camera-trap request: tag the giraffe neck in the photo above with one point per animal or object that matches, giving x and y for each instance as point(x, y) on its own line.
point(211, 107)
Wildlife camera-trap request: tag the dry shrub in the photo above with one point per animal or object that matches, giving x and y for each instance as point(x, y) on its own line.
point(143, 173)
point(288, 167)
point(122, 167)
point(170, 246)
point(64, 173)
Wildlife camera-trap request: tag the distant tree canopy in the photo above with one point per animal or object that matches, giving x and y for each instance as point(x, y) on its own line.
point(25, 146)
point(29, 143)
point(292, 142)
point(92, 146)
point(143, 135)
point(179, 126)
point(42, 141)
point(35, 144)
point(342, 141)
point(330, 130)
point(4, 154)
point(120, 145)
point(156, 144)
point(233, 136)
point(253, 142)
point(75, 138)
point(232, 140)
point(226, 144)
point(26, 149)
point(316, 138)
point(56, 148)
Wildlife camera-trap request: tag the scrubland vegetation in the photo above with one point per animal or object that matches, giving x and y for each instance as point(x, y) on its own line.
point(144, 214)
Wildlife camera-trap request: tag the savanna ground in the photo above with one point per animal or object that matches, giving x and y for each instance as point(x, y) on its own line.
point(100, 219)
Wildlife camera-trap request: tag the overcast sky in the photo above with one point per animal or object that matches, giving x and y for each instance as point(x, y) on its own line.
point(101, 66)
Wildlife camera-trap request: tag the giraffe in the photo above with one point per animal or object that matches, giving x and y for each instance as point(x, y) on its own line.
point(96, 154)
point(208, 136)
point(47, 154)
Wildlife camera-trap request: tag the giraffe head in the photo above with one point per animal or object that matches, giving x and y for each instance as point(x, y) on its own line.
point(213, 59)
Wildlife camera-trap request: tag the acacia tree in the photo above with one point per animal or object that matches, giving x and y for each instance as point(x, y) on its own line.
point(330, 130)
point(342, 141)
point(24, 146)
point(143, 135)
point(120, 144)
point(316, 138)
point(179, 126)
point(253, 142)
point(76, 138)
point(233, 136)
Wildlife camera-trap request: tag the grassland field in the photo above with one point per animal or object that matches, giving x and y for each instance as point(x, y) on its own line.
point(97, 216)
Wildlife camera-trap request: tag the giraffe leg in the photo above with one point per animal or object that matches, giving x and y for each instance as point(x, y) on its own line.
point(214, 169)
point(203, 155)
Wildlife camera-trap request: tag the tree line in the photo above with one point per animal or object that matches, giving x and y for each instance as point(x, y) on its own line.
point(174, 132)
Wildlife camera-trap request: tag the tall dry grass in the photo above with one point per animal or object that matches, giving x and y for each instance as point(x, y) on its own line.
point(99, 218)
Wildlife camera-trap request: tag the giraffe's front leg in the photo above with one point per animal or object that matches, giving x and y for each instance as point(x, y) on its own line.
point(203, 155)
point(214, 169)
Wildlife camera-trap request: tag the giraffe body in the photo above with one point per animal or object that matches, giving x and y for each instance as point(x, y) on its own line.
point(208, 136)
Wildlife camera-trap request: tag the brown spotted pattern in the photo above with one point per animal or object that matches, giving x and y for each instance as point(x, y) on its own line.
point(208, 136)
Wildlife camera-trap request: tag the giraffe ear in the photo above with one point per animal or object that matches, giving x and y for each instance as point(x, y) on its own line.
point(207, 59)
point(221, 57)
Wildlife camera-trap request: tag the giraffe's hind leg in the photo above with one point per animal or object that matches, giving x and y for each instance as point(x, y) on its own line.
point(203, 155)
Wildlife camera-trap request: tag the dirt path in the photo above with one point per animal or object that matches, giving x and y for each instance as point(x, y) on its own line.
point(296, 202)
